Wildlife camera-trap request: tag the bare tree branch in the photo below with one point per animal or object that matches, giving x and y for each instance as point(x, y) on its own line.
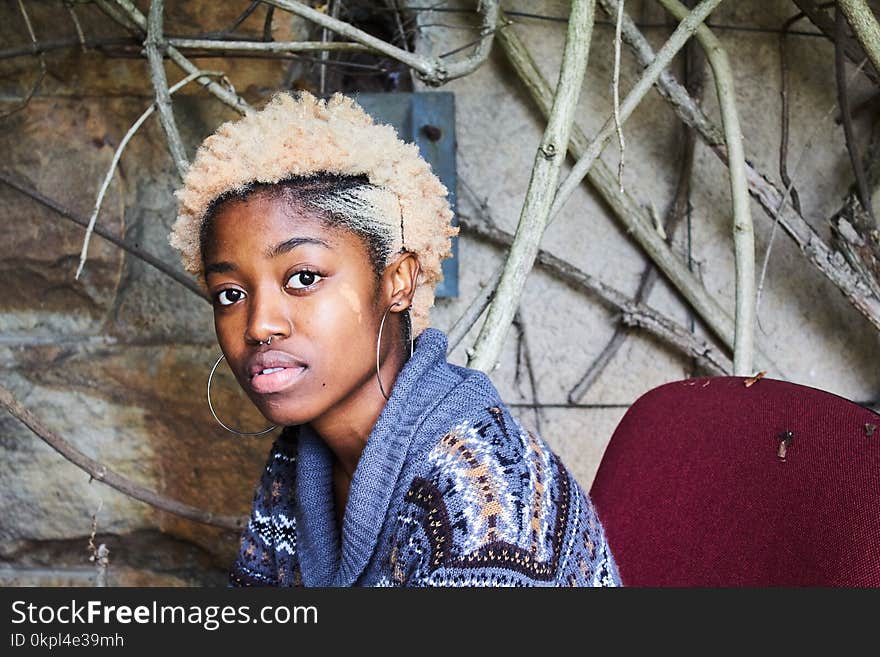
point(600, 362)
point(664, 56)
point(636, 221)
point(154, 46)
point(103, 474)
point(116, 156)
point(221, 46)
point(433, 72)
point(785, 118)
point(730, 332)
point(99, 554)
point(524, 356)
point(58, 44)
point(815, 11)
point(631, 313)
point(132, 19)
point(392, 4)
point(831, 263)
point(39, 80)
point(743, 230)
point(854, 230)
point(863, 22)
point(333, 12)
point(151, 260)
point(852, 146)
point(79, 30)
point(271, 46)
point(242, 17)
point(267, 24)
point(539, 196)
point(859, 243)
point(616, 92)
point(474, 310)
point(110, 8)
point(677, 212)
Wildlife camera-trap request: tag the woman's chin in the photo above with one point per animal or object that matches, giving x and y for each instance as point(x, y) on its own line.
point(282, 416)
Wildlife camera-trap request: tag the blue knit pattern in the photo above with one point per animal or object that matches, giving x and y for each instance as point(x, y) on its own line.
point(451, 490)
point(267, 549)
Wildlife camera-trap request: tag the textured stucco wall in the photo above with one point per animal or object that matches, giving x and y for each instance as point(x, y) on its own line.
point(117, 361)
point(810, 331)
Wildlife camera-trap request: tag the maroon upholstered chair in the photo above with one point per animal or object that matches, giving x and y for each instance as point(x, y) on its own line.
point(702, 485)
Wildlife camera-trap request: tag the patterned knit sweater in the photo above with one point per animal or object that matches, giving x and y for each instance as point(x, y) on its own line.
point(450, 490)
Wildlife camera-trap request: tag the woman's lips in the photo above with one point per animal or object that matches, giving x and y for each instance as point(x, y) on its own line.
point(276, 381)
point(273, 370)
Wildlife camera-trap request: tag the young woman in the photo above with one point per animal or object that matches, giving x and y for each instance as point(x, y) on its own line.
point(319, 237)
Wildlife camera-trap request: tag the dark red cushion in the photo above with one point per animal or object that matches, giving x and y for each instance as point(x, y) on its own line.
point(692, 492)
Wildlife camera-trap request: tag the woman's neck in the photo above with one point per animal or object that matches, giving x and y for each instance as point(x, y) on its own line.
point(346, 427)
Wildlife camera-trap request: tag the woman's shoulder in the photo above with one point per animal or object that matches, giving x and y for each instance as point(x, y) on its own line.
point(275, 488)
point(267, 546)
point(494, 495)
point(490, 451)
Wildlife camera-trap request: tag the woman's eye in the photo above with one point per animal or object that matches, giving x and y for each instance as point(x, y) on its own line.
point(230, 296)
point(303, 279)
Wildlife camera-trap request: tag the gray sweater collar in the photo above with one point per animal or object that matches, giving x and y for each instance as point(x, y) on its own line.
point(419, 393)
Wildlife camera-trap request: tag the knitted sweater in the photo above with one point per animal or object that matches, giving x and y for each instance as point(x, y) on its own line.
point(450, 490)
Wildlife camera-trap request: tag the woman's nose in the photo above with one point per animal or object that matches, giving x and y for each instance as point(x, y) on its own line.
point(268, 317)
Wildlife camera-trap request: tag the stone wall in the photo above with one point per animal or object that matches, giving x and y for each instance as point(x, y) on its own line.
point(116, 362)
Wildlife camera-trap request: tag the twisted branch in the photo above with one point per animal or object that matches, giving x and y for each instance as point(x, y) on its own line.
point(631, 313)
point(743, 230)
point(154, 45)
point(636, 221)
point(830, 262)
point(433, 72)
point(539, 196)
point(131, 18)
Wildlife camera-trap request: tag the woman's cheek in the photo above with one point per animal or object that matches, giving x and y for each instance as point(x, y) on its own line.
point(346, 317)
point(350, 296)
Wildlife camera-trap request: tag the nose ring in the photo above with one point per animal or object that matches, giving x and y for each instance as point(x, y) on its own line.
point(266, 342)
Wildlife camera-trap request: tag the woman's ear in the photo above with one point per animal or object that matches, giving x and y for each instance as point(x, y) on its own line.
point(401, 278)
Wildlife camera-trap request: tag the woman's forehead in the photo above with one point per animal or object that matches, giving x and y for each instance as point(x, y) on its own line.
point(271, 226)
point(265, 218)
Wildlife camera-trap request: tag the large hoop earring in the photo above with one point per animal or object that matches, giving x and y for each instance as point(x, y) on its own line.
point(211, 406)
point(379, 342)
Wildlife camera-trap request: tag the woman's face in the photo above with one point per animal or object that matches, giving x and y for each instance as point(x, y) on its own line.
point(275, 270)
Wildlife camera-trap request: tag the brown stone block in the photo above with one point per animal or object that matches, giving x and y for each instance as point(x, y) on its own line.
point(154, 427)
point(137, 558)
point(119, 67)
point(116, 576)
point(61, 149)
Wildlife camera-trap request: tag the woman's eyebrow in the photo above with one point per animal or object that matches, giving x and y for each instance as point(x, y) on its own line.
point(292, 243)
point(219, 268)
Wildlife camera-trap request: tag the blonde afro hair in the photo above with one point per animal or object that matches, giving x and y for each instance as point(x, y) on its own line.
point(305, 136)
